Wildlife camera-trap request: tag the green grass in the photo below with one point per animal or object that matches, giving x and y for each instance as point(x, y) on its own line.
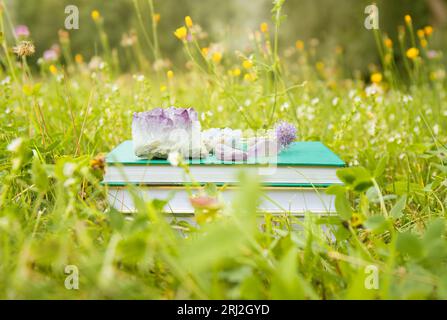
point(53, 210)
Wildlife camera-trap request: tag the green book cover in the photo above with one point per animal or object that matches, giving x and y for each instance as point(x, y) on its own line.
point(306, 153)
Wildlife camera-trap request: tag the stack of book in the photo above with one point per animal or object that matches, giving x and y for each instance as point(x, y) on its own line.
point(295, 184)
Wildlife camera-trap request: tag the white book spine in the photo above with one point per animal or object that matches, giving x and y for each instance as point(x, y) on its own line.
point(274, 200)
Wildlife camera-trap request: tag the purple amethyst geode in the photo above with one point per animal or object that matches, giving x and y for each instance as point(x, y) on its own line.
point(158, 132)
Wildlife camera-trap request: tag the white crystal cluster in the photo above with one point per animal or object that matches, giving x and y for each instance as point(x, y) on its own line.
point(159, 132)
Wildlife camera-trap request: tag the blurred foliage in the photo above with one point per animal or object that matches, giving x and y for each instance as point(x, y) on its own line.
point(390, 128)
point(333, 23)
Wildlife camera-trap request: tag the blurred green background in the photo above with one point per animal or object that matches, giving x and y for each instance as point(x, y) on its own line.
point(333, 23)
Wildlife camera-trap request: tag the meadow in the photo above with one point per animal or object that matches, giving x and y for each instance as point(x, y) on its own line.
point(60, 116)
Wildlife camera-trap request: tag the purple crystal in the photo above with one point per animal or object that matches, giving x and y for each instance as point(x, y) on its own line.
point(285, 133)
point(160, 131)
point(160, 119)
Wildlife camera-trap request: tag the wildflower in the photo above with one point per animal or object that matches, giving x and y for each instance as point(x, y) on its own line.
point(428, 30)
point(264, 27)
point(156, 17)
point(53, 69)
point(51, 54)
point(205, 51)
point(24, 49)
point(421, 33)
point(22, 31)
point(356, 220)
point(424, 43)
point(299, 45)
point(96, 16)
point(285, 133)
point(128, 40)
point(163, 88)
point(217, 57)
point(15, 145)
point(79, 58)
point(96, 63)
point(412, 53)
point(174, 158)
point(249, 77)
point(236, 72)
point(376, 77)
point(64, 36)
point(170, 74)
point(98, 162)
point(388, 43)
point(432, 54)
point(188, 22)
point(205, 203)
point(408, 19)
point(181, 33)
point(247, 64)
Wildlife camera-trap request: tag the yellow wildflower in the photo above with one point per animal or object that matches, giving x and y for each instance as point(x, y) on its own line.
point(420, 33)
point(163, 88)
point(79, 58)
point(424, 43)
point(217, 57)
point(408, 19)
point(181, 33)
point(249, 77)
point(388, 43)
point(96, 15)
point(356, 220)
point(428, 30)
point(188, 21)
point(236, 72)
point(156, 17)
point(376, 77)
point(247, 64)
point(412, 53)
point(170, 74)
point(53, 69)
point(205, 51)
point(264, 27)
point(299, 45)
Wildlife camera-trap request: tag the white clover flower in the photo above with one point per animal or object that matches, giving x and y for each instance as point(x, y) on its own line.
point(15, 145)
point(5, 81)
point(69, 169)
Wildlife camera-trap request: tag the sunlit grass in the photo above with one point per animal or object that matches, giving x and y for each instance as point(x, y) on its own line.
point(391, 123)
